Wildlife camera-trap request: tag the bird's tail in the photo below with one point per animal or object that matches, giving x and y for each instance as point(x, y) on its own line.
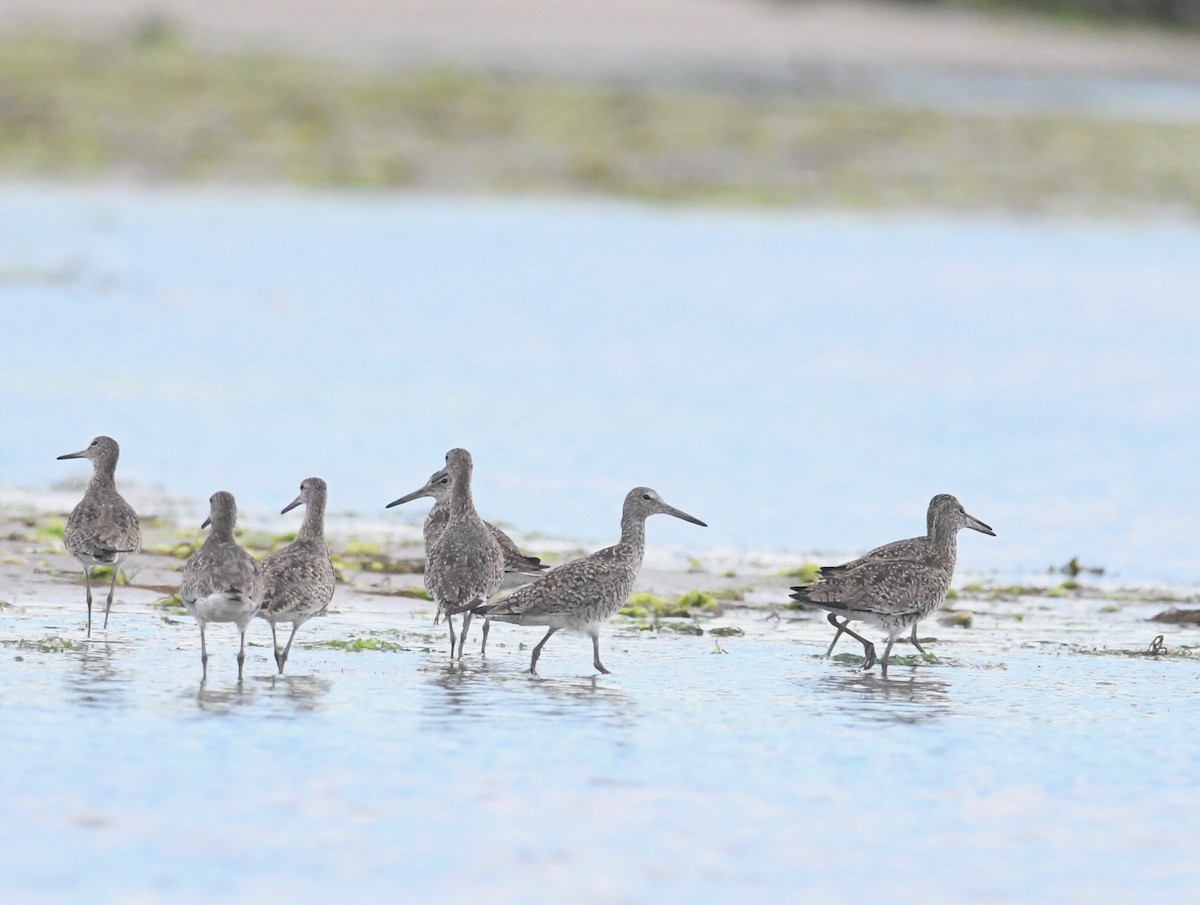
point(529, 565)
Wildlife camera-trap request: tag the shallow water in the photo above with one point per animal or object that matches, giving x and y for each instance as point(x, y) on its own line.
point(1016, 769)
point(801, 382)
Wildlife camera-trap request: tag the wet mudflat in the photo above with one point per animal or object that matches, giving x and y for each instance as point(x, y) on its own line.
point(1036, 756)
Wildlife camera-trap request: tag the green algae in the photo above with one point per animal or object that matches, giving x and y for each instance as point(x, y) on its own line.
point(727, 631)
point(356, 645)
point(646, 606)
point(166, 110)
point(806, 573)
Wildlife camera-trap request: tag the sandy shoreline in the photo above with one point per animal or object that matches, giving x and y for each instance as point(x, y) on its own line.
point(380, 564)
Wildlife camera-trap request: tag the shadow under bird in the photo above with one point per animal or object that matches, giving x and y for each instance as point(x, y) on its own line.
point(221, 581)
point(438, 489)
point(465, 564)
point(896, 593)
point(909, 548)
point(298, 580)
point(580, 595)
point(103, 529)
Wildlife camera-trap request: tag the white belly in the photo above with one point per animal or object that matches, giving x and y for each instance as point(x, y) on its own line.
point(223, 608)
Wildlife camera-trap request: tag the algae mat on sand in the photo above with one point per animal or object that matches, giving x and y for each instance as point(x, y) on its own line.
point(155, 108)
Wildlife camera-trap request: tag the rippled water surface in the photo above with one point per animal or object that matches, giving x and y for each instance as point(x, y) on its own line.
point(799, 381)
point(1016, 770)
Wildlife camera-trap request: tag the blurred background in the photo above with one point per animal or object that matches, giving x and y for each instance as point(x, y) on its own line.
point(798, 265)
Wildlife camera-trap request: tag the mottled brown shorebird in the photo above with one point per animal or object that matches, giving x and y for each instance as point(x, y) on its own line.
point(581, 594)
point(909, 548)
point(298, 580)
point(103, 529)
point(221, 581)
point(465, 565)
point(438, 489)
point(896, 593)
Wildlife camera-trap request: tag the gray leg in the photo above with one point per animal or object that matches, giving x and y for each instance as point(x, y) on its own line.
point(203, 657)
point(287, 650)
point(87, 580)
point(108, 603)
point(537, 651)
point(841, 630)
point(487, 627)
point(916, 643)
point(844, 627)
point(462, 639)
point(241, 658)
point(275, 647)
point(886, 653)
point(453, 639)
point(596, 650)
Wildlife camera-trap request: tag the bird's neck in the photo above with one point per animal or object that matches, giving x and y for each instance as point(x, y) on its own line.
point(220, 533)
point(944, 542)
point(633, 532)
point(313, 527)
point(103, 477)
point(461, 502)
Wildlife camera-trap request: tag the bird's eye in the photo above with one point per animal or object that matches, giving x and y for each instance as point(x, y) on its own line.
point(444, 481)
point(645, 496)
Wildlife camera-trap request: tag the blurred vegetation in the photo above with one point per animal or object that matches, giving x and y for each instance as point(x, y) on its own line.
point(1172, 12)
point(153, 108)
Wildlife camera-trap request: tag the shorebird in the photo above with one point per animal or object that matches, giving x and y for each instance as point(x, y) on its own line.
point(221, 581)
point(298, 580)
point(103, 529)
point(465, 565)
point(898, 549)
point(581, 594)
point(438, 488)
point(896, 593)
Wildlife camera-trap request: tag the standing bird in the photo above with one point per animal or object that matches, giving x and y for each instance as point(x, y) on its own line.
point(221, 581)
point(896, 593)
point(465, 565)
point(438, 488)
point(898, 549)
point(298, 580)
point(103, 529)
point(581, 594)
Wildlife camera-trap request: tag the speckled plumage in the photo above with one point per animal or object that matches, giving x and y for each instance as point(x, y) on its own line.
point(581, 594)
point(298, 580)
point(909, 548)
point(896, 593)
point(103, 529)
point(438, 489)
point(221, 581)
point(465, 565)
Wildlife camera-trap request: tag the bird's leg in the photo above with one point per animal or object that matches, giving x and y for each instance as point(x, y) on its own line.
point(886, 653)
point(453, 638)
point(537, 651)
point(915, 642)
point(868, 647)
point(275, 647)
point(595, 633)
point(841, 630)
point(287, 650)
point(241, 657)
point(108, 603)
point(203, 657)
point(462, 639)
point(487, 627)
point(87, 580)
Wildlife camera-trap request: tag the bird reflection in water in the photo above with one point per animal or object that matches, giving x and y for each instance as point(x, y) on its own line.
point(916, 699)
